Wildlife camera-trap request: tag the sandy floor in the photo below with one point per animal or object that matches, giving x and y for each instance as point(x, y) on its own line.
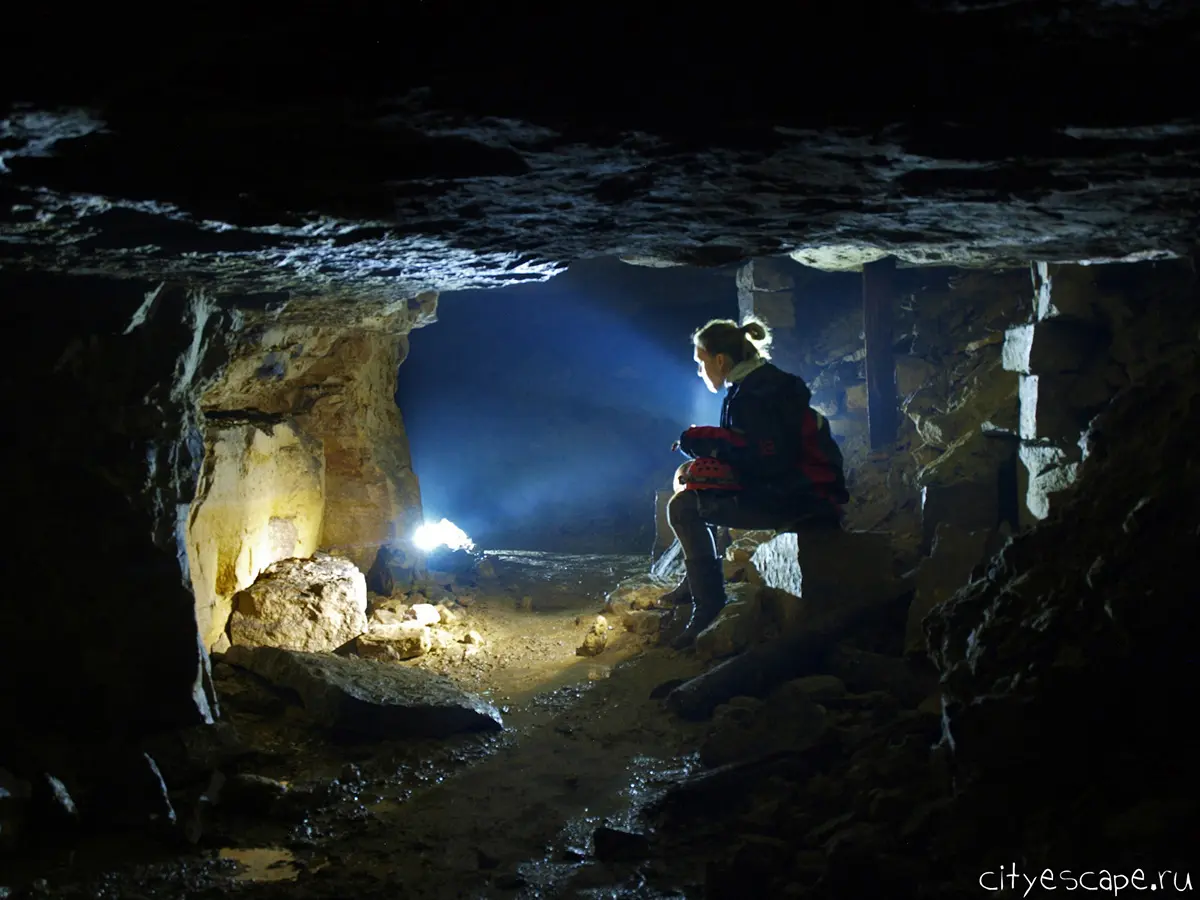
point(503, 815)
point(532, 616)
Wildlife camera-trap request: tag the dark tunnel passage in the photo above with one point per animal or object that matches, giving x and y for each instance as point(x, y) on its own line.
point(556, 404)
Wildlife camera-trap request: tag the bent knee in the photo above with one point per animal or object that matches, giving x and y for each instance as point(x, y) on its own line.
point(678, 482)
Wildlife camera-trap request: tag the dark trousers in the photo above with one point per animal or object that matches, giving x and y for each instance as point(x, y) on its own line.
point(692, 514)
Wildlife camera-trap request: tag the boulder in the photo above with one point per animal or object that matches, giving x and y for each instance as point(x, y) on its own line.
point(368, 698)
point(301, 604)
point(735, 626)
point(395, 641)
point(956, 553)
point(843, 594)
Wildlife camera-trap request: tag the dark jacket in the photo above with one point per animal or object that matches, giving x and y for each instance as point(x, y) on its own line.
point(780, 446)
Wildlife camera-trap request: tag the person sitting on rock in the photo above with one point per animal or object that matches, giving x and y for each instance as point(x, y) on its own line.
point(771, 464)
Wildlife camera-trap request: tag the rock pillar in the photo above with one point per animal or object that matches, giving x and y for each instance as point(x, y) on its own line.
point(1060, 359)
point(765, 290)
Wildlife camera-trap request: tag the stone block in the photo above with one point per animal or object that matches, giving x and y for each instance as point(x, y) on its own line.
point(823, 566)
point(965, 505)
point(1015, 352)
point(262, 501)
point(1050, 469)
point(956, 552)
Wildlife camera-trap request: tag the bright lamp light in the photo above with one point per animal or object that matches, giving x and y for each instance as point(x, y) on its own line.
point(432, 535)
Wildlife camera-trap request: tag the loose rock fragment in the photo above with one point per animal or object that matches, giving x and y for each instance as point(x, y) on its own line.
point(396, 641)
point(595, 640)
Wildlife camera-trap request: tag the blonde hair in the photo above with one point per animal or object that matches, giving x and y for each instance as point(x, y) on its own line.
point(750, 340)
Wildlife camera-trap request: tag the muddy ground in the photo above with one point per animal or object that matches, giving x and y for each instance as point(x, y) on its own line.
point(307, 814)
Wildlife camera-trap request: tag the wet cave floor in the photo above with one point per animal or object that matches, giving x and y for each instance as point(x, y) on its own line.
point(509, 814)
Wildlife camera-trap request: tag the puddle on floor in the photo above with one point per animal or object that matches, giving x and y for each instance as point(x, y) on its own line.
point(570, 868)
point(262, 863)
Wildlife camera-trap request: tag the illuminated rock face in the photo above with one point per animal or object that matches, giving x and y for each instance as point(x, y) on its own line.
point(304, 449)
point(261, 498)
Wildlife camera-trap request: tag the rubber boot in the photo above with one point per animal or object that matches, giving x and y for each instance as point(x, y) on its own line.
point(706, 578)
point(682, 592)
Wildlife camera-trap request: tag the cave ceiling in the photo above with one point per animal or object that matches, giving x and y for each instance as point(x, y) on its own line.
point(449, 146)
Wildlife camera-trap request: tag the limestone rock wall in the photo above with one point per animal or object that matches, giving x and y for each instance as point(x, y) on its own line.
point(1068, 647)
point(304, 449)
point(261, 498)
point(372, 494)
